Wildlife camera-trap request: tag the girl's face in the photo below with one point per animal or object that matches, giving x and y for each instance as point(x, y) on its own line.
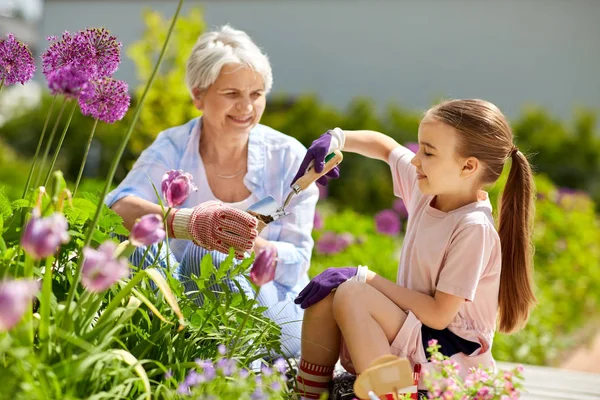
point(440, 171)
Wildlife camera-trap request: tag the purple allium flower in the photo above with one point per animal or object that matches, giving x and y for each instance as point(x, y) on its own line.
point(346, 239)
point(317, 220)
point(258, 394)
point(100, 267)
point(42, 236)
point(412, 146)
point(183, 389)
point(108, 101)
point(69, 50)
point(323, 192)
point(221, 349)
point(227, 366)
point(176, 186)
point(193, 378)
point(280, 365)
point(15, 297)
point(263, 269)
point(388, 222)
point(106, 50)
point(243, 373)
point(16, 61)
point(331, 243)
point(147, 230)
point(70, 81)
point(400, 208)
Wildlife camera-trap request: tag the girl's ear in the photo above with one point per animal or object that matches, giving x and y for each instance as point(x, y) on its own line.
point(198, 99)
point(470, 167)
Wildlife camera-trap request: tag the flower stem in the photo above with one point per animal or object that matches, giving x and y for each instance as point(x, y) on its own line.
point(234, 341)
point(49, 143)
point(39, 146)
point(2, 83)
point(45, 308)
point(60, 142)
point(87, 149)
point(28, 317)
point(113, 167)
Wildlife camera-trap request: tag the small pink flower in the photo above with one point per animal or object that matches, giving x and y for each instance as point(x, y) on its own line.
point(400, 208)
point(432, 342)
point(42, 236)
point(318, 220)
point(147, 231)
point(484, 394)
point(15, 298)
point(412, 146)
point(388, 222)
point(176, 187)
point(263, 269)
point(100, 267)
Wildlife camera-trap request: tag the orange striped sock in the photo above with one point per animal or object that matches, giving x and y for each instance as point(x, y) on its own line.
point(313, 380)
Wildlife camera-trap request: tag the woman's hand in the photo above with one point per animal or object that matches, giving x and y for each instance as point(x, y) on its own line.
point(318, 150)
point(215, 226)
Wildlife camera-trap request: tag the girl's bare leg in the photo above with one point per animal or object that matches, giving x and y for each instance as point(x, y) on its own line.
point(368, 320)
point(320, 333)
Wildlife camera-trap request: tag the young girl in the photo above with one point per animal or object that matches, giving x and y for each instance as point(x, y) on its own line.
point(458, 277)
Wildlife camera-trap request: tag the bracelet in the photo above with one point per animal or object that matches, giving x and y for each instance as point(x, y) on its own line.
point(361, 273)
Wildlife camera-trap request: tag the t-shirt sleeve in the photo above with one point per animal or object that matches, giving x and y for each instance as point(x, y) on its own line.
point(465, 261)
point(404, 174)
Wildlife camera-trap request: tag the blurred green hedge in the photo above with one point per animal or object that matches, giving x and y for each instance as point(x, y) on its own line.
point(569, 153)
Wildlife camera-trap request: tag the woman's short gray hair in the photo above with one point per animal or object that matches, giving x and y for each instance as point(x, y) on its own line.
point(224, 46)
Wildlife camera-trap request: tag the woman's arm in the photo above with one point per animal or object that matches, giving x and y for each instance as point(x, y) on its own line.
point(369, 144)
point(434, 311)
point(131, 208)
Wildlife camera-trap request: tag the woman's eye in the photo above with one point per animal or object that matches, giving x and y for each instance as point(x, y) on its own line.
point(256, 94)
point(230, 94)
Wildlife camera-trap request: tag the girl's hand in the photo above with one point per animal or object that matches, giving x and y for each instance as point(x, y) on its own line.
point(318, 150)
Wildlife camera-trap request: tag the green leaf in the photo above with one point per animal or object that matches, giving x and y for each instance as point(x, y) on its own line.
point(5, 208)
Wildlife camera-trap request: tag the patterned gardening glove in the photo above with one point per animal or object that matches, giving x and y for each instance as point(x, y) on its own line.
point(318, 150)
point(321, 285)
point(215, 226)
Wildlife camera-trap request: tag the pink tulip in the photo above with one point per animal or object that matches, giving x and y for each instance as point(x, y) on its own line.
point(263, 269)
point(15, 297)
point(176, 187)
point(42, 236)
point(100, 267)
point(147, 230)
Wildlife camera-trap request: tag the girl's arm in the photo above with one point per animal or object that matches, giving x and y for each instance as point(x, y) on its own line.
point(369, 144)
point(433, 311)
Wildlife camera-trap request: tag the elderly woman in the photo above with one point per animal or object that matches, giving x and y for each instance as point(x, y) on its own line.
point(234, 161)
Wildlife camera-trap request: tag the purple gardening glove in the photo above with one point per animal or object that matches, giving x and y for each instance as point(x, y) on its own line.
point(321, 285)
point(317, 151)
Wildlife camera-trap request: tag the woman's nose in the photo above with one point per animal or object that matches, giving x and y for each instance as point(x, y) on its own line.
point(244, 105)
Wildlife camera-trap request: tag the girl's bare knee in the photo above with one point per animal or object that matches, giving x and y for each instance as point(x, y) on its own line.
point(345, 296)
point(321, 308)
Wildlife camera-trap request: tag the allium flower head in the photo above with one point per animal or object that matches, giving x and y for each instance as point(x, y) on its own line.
point(100, 267)
point(16, 61)
point(106, 50)
point(332, 243)
point(15, 297)
point(108, 102)
point(70, 81)
point(69, 50)
point(388, 222)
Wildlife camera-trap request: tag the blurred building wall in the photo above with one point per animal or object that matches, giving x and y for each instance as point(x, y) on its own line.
point(511, 52)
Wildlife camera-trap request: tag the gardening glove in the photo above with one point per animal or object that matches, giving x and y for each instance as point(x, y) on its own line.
point(321, 285)
point(215, 226)
point(316, 153)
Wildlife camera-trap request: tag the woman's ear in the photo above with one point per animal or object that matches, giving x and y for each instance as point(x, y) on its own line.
point(198, 98)
point(470, 167)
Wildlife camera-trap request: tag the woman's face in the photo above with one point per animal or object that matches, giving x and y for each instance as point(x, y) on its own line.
point(236, 101)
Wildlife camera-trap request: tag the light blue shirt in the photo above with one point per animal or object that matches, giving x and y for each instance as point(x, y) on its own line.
point(273, 160)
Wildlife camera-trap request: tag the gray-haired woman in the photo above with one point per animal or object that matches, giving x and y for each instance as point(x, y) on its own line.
point(235, 161)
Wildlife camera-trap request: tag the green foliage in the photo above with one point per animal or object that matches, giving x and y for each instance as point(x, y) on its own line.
point(566, 259)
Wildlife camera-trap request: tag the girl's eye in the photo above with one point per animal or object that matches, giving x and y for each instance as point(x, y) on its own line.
point(427, 154)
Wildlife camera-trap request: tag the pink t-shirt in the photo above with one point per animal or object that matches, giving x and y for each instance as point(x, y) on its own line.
point(457, 252)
